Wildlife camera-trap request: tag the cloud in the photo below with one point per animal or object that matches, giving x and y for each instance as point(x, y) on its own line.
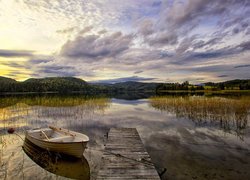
point(184, 45)
point(44, 66)
point(146, 27)
point(125, 79)
point(201, 43)
point(39, 61)
point(243, 66)
point(138, 72)
point(207, 55)
point(236, 31)
point(85, 30)
point(244, 46)
point(223, 76)
point(193, 11)
point(15, 53)
point(179, 20)
point(95, 46)
point(194, 56)
point(220, 68)
point(102, 31)
point(13, 64)
point(66, 30)
point(182, 13)
point(54, 68)
point(51, 70)
point(247, 31)
point(163, 38)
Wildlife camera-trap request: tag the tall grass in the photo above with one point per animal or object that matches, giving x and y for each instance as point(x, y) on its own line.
point(16, 112)
point(228, 113)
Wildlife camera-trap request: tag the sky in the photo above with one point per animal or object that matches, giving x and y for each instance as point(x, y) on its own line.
point(116, 41)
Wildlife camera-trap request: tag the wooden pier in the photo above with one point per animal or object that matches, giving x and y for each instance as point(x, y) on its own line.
point(125, 157)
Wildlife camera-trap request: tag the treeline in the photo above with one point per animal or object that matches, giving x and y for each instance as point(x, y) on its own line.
point(133, 86)
point(178, 86)
point(236, 84)
point(227, 85)
point(70, 84)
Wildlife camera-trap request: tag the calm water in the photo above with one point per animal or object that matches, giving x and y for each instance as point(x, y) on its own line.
point(193, 137)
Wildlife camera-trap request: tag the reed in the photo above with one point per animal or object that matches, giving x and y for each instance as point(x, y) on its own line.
point(228, 113)
point(18, 112)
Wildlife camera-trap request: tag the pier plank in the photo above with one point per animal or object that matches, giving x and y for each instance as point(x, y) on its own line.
point(125, 157)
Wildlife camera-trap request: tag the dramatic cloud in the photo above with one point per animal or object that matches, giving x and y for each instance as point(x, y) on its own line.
point(94, 46)
point(166, 40)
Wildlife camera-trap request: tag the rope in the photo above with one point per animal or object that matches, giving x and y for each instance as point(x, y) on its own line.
point(18, 136)
point(122, 156)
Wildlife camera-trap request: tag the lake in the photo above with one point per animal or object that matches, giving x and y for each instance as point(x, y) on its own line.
point(192, 136)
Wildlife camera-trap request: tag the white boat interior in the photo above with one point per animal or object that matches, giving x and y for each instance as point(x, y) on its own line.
point(52, 134)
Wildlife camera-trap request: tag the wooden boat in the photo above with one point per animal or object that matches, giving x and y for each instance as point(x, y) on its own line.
point(59, 140)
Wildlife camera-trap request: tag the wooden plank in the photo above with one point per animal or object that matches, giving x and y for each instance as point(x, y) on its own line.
point(125, 157)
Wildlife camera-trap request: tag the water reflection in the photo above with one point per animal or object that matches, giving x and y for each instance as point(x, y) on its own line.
point(189, 147)
point(232, 115)
point(55, 163)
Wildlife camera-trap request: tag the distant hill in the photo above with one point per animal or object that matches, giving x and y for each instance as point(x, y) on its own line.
point(56, 79)
point(6, 80)
point(61, 84)
point(7, 84)
point(50, 84)
point(134, 86)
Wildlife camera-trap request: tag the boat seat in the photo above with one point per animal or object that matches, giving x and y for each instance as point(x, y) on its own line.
point(60, 139)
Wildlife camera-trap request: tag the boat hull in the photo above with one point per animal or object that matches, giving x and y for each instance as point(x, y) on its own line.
point(63, 165)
